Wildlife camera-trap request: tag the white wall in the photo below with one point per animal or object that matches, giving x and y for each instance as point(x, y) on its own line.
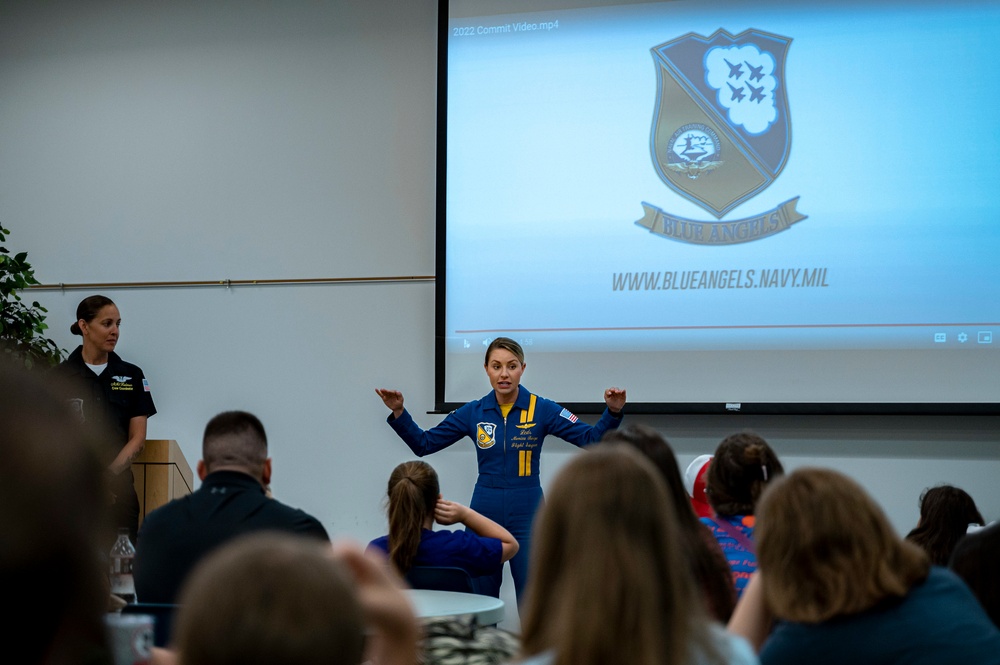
point(184, 140)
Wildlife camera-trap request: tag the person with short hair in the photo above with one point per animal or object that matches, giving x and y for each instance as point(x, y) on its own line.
point(112, 396)
point(846, 589)
point(742, 467)
point(508, 426)
point(414, 504)
point(610, 582)
point(232, 500)
point(276, 598)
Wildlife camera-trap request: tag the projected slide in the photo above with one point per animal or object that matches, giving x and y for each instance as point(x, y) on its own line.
point(661, 181)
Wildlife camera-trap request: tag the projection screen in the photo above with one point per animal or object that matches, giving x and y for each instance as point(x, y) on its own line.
point(774, 207)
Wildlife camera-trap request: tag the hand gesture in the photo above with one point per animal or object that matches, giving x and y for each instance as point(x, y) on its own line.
point(392, 399)
point(615, 399)
point(448, 512)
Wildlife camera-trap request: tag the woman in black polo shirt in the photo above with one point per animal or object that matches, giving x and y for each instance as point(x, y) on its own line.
point(111, 394)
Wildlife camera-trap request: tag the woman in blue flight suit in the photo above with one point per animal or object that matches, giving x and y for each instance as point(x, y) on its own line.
point(508, 426)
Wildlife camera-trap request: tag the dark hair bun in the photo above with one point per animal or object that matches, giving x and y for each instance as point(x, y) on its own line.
point(75, 328)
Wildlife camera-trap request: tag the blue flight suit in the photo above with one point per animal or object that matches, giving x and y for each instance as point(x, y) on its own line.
point(509, 451)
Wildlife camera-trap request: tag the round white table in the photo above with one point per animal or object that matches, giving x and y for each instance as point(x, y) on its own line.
point(431, 604)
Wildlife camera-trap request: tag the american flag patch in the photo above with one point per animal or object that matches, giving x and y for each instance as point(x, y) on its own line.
point(145, 385)
point(568, 415)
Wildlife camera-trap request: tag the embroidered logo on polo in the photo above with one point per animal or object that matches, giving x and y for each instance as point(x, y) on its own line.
point(121, 383)
point(485, 433)
point(721, 133)
point(76, 409)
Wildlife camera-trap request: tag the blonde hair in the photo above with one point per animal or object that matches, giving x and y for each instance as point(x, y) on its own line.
point(609, 581)
point(826, 549)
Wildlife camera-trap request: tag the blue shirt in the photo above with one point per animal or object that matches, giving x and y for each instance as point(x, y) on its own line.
point(460, 549)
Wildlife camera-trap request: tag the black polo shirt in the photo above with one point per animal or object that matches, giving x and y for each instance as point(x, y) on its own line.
point(175, 537)
point(110, 400)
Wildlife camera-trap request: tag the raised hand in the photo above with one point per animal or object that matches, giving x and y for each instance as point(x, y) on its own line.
point(615, 399)
point(392, 399)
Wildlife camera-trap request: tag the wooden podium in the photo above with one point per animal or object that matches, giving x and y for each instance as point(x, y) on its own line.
point(162, 474)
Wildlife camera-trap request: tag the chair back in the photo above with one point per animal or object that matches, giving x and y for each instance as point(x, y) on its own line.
point(163, 619)
point(441, 578)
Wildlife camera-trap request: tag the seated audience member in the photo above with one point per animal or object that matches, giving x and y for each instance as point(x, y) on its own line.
point(234, 471)
point(54, 512)
point(276, 598)
point(741, 468)
point(945, 515)
point(414, 504)
point(846, 589)
point(975, 561)
point(701, 549)
point(609, 579)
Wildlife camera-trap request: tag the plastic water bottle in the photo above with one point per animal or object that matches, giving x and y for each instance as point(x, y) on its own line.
point(122, 556)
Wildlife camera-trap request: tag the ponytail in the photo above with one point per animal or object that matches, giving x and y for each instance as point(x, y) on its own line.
point(413, 492)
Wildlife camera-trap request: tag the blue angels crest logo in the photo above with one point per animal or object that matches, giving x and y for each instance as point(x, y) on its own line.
point(485, 435)
point(721, 132)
